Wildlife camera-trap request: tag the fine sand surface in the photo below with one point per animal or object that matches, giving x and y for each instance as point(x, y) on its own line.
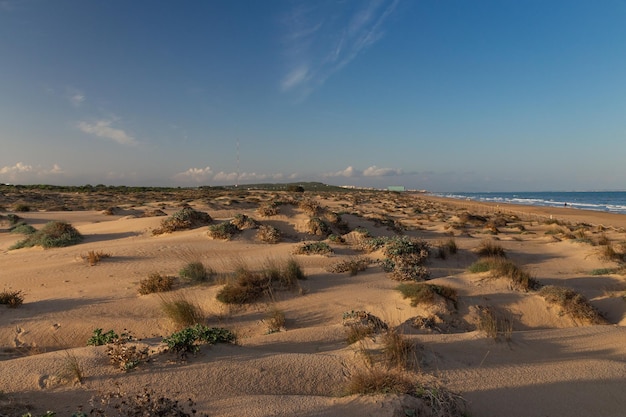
point(548, 363)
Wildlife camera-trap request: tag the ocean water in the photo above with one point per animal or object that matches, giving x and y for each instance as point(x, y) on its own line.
point(608, 201)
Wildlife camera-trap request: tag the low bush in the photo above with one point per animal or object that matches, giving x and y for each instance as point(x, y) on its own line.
point(156, 283)
point(268, 234)
point(242, 222)
point(195, 272)
point(268, 210)
point(189, 339)
point(21, 208)
point(275, 320)
point(421, 293)
point(338, 239)
point(353, 265)
point(573, 304)
point(405, 259)
point(53, 235)
point(12, 299)
point(148, 403)
point(23, 229)
point(318, 227)
point(313, 248)
point(310, 206)
point(224, 231)
point(361, 324)
point(184, 219)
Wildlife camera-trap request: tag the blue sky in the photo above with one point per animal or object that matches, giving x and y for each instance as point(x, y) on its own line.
point(441, 95)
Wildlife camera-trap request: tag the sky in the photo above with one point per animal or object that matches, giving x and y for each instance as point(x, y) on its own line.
point(446, 96)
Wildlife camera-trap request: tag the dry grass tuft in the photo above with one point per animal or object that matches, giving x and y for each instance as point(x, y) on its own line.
point(94, 257)
point(182, 312)
point(156, 283)
point(495, 323)
point(488, 248)
point(520, 280)
point(573, 304)
point(397, 350)
point(12, 299)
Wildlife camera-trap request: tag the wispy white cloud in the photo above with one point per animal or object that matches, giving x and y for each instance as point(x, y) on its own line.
point(324, 37)
point(206, 175)
point(195, 175)
point(76, 97)
point(21, 172)
point(103, 129)
point(373, 171)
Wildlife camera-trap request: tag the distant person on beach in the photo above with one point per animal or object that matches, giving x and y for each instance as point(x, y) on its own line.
point(565, 205)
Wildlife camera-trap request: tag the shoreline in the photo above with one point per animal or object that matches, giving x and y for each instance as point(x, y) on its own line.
point(572, 215)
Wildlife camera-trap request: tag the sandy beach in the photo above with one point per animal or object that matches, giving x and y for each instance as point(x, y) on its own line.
point(494, 348)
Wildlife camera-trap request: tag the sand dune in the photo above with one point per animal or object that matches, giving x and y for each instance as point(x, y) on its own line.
point(546, 362)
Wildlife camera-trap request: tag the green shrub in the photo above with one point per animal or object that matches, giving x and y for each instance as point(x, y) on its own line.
point(224, 231)
point(53, 235)
point(338, 239)
point(190, 338)
point(195, 272)
point(12, 299)
point(23, 229)
point(313, 248)
point(420, 293)
point(405, 258)
point(156, 283)
point(603, 271)
point(98, 338)
point(184, 219)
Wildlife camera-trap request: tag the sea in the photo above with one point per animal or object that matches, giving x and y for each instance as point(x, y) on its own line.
point(607, 201)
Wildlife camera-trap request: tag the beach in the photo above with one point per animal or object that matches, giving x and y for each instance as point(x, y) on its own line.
point(538, 358)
